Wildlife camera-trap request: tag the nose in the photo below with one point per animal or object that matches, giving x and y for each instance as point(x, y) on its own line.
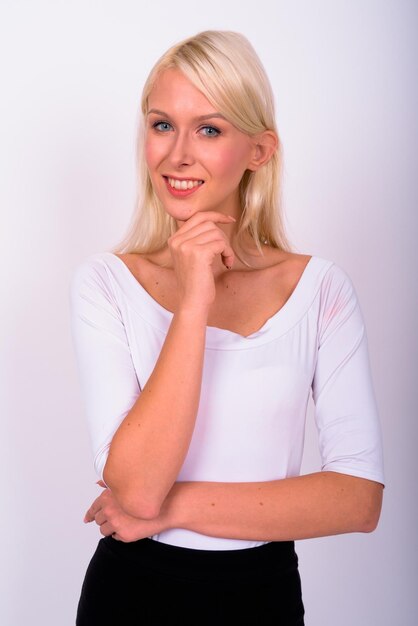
point(181, 150)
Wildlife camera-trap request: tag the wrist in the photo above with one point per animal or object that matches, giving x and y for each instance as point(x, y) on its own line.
point(192, 314)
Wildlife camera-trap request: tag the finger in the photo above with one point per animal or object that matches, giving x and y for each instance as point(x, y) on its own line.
point(221, 246)
point(89, 516)
point(208, 236)
point(208, 233)
point(228, 260)
point(193, 230)
point(204, 216)
point(107, 529)
point(91, 512)
point(100, 517)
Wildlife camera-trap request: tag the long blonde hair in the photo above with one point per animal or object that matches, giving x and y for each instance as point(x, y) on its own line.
point(226, 69)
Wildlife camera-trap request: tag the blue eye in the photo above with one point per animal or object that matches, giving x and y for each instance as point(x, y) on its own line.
point(164, 126)
point(211, 131)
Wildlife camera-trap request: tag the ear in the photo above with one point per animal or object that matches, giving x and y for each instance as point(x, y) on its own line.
point(264, 146)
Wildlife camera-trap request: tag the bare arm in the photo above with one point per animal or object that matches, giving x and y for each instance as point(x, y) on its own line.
point(150, 445)
point(302, 507)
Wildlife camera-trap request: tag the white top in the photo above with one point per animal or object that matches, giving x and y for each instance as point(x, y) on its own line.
point(255, 390)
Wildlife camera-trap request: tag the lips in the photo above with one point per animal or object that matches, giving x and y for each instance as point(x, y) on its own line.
point(182, 187)
point(183, 184)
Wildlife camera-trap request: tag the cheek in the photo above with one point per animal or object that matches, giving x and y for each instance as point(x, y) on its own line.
point(152, 153)
point(231, 162)
point(149, 153)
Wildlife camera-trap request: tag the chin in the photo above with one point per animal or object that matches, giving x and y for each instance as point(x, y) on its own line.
point(180, 213)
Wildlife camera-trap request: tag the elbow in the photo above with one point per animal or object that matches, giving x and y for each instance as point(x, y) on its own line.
point(133, 504)
point(373, 508)
point(137, 507)
point(130, 500)
point(371, 522)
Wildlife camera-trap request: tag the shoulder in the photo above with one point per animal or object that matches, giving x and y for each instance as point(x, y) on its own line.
point(324, 279)
point(339, 305)
point(293, 263)
point(148, 269)
point(329, 273)
point(336, 278)
point(91, 276)
point(94, 263)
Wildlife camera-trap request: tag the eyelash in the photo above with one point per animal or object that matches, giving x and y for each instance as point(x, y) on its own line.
point(219, 132)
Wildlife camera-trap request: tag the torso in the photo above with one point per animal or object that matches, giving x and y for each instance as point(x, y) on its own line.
point(245, 298)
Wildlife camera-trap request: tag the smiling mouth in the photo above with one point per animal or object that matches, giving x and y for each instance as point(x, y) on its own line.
point(183, 185)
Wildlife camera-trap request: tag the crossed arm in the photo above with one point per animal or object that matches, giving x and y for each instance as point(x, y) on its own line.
point(142, 497)
point(302, 507)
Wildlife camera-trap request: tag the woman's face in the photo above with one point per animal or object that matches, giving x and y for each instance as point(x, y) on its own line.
point(195, 157)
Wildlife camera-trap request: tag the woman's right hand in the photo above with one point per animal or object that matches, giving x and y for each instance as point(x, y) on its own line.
point(115, 522)
point(193, 248)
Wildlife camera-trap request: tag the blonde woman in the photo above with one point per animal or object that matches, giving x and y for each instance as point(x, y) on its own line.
point(198, 342)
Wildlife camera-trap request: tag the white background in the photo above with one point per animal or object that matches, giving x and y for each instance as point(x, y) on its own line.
point(344, 75)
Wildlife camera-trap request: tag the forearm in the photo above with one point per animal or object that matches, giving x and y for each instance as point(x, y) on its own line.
point(313, 505)
point(149, 447)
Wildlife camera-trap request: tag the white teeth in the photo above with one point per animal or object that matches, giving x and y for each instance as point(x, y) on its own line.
point(184, 184)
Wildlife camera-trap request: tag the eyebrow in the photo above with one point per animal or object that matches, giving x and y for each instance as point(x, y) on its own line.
point(198, 119)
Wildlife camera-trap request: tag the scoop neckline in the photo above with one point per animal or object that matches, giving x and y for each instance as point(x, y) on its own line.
point(221, 338)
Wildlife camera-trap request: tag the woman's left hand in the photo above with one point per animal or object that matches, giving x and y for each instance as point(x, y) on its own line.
point(111, 518)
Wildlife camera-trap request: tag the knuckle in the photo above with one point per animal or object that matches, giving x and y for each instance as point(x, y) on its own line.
point(185, 247)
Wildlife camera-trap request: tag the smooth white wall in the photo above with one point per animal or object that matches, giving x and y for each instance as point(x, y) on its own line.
point(344, 74)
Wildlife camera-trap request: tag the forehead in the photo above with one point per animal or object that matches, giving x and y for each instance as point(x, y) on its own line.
point(174, 91)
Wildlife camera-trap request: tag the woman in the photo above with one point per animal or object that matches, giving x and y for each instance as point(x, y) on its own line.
point(198, 342)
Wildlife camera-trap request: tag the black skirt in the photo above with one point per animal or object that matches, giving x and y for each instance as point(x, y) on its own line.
point(150, 583)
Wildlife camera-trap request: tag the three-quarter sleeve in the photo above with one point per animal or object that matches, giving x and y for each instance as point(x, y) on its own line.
point(109, 384)
point(346, 413)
